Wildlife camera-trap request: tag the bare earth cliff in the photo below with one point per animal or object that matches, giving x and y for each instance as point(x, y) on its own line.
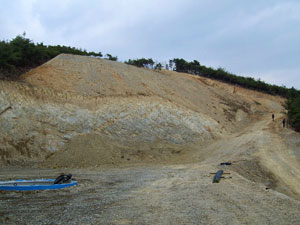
point(164, 130)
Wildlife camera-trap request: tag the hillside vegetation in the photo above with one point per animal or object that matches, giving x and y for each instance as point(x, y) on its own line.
point(21, 54)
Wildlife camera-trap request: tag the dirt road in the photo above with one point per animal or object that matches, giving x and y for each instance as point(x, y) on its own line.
point(176, 194)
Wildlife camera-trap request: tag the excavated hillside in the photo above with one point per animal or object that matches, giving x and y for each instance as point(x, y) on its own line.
point(75, 105)
point(97, 112)
point(149, 140)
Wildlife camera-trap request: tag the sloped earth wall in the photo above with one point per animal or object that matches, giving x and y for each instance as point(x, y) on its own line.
point(34, 127)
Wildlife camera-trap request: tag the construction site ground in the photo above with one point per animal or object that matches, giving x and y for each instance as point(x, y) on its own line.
point(178, 193)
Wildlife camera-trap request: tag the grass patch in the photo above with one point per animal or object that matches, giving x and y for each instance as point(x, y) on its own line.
point(256, 102)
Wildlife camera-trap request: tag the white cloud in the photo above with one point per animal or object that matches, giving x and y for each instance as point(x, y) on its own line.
point(275, 15)
point(279, 77)
point(251, 37)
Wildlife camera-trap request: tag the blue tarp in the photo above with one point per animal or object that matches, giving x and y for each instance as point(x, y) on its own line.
point(33, 185)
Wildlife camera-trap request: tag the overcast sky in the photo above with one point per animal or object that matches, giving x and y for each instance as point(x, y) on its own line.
point(257, 38)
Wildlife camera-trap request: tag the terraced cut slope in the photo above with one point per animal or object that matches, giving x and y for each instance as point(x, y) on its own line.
point(151, 138)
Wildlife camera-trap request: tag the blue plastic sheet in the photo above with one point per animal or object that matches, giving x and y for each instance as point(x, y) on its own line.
point(33, 185)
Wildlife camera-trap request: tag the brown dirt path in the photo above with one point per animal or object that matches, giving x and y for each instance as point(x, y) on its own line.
point(261, 154)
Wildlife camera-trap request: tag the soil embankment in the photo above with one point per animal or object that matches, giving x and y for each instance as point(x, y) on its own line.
point(71, 100)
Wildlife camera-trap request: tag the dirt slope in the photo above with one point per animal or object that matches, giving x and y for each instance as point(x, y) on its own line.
point(104, 78)
point(74, 98)
point(97, 112)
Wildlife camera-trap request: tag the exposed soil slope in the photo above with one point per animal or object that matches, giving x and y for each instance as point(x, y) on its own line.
point(95, 112)
point(74, 98)
point(104, 78)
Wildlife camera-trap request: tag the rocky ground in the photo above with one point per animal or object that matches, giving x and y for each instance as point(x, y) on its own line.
point(142, 146)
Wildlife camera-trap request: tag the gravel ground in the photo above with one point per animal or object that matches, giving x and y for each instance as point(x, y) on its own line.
point(181, 194)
